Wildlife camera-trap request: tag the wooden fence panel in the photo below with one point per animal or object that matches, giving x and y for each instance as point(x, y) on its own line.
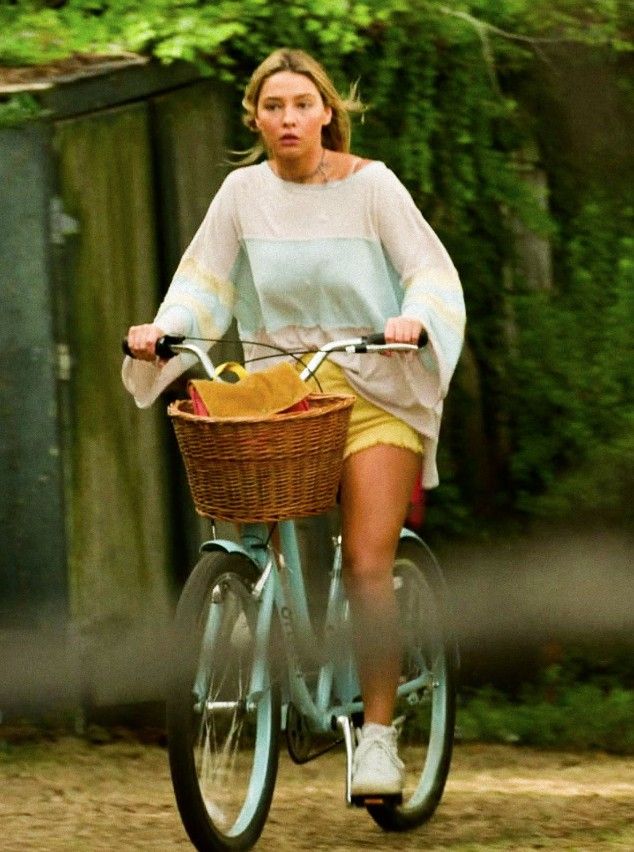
point(119, 529)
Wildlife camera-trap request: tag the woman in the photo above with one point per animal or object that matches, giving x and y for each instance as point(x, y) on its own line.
point(311, 245)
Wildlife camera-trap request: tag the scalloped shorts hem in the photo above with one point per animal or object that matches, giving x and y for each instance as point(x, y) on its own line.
point(369, 424)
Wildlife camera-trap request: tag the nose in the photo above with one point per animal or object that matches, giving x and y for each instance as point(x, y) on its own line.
point(288, 118)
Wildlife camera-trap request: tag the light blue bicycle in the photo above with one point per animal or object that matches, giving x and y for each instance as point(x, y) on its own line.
point(252, 663)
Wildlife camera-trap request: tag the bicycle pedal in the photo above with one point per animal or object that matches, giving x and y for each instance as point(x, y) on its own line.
point(387, 799)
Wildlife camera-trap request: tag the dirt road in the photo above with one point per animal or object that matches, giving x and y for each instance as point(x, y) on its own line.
point(69, 795)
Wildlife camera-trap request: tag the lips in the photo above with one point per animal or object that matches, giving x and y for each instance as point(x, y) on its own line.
point(289, 139)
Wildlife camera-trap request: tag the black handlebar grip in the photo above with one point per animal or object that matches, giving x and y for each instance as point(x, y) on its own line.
point(378, 339)
point(162, 348)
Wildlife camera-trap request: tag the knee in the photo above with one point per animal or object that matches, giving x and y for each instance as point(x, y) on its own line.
point(367, 565)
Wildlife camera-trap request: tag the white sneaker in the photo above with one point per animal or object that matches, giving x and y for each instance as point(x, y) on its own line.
point(376, 767)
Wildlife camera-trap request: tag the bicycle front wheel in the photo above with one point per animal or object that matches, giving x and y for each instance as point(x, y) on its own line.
point(425, 712)
point(223, 708)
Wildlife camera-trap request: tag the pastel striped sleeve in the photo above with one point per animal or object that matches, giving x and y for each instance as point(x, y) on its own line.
point(199, 301)
point(432, 292)
point(201, 297)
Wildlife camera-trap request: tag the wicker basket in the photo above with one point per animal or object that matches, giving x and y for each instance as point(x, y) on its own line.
point(264, 469)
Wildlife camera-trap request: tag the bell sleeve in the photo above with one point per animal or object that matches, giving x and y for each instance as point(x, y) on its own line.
point(200, 300)
point(431, 286)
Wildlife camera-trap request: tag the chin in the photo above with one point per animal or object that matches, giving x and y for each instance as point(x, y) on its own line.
point(289, 151)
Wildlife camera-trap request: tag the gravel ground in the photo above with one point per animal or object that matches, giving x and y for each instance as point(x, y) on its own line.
point(67, 794)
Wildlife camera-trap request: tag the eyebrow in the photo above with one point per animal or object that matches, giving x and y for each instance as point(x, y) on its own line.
point(281, 98)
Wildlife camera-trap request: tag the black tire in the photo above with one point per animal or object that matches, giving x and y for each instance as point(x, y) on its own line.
point(428, 716)
point(223, 758)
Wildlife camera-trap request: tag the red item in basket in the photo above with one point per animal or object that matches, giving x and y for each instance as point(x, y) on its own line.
point(198, 406)
point(302, 405)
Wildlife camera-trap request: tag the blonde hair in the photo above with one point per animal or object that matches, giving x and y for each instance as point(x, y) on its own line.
point(336, 134)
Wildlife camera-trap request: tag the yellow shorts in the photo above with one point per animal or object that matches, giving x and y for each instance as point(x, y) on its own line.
point(369, 424)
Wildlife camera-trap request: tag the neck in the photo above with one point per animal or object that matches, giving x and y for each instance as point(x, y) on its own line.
point(303, 171)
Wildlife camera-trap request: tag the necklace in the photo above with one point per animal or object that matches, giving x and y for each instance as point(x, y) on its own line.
point(321, 170)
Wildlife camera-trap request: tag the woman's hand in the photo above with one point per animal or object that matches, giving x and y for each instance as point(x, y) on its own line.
point(142, 340)
point(402, 330)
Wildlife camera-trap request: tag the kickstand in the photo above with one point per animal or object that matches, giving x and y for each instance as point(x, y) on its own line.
point(348, 737)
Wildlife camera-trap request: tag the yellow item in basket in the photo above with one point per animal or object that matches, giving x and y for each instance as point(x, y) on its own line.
point(256, 395)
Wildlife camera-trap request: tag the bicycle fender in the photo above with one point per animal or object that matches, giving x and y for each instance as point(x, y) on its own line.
point(408, 534)
point(405, 534)
point(226, 545)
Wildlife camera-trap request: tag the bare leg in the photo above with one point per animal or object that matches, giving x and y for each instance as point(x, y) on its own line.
point(375, 490)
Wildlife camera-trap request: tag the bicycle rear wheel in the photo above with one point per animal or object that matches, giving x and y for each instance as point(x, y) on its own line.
point(223, 739)
point(426, 716)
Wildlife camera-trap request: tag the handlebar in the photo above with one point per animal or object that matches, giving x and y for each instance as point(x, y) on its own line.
point(170, 345)
point(378, 339)
point(163, 347)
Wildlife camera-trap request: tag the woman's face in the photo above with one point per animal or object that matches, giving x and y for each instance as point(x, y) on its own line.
point(290, 115)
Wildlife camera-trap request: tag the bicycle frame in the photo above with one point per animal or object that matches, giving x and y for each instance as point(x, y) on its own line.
point(281, 588)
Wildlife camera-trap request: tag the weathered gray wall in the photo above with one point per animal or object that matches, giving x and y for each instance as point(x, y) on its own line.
point(32, 552)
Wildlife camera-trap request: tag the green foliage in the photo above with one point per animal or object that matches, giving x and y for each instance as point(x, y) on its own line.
point(451, 90)
point(37, 31)
point(584, 702)
point(581, 716)
point(573, 368)
point(18, 109)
